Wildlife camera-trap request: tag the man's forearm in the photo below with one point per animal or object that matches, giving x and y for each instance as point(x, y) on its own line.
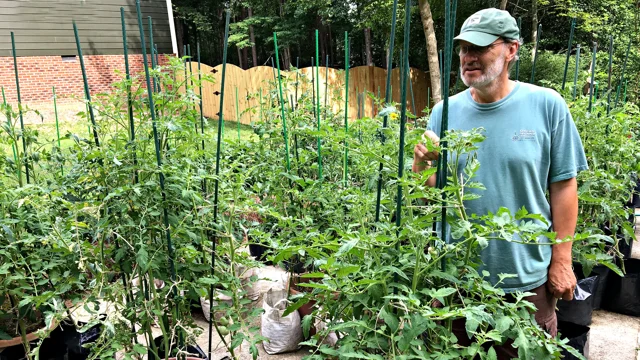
point(564, 214)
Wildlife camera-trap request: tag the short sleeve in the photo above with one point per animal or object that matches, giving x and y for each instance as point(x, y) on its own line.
point(435, 119)
point(567, 153)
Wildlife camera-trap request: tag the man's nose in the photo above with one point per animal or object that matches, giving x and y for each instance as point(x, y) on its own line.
point(468, 57)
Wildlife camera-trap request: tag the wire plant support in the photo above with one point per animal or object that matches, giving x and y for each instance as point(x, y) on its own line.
point(87, 92)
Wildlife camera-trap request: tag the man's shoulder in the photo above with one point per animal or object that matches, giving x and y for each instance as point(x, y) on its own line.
point(531, 91)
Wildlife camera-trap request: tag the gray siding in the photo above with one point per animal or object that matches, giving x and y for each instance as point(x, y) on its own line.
point(44, 27)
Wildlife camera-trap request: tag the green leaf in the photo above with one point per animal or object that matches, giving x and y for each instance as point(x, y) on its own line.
point(390, 319)
point(295, 306)
point(5, 336)
point(306, 325)
point(503, 323)
point(346, 247)
point(491, 354)
point(342, 272)
point(140, 349)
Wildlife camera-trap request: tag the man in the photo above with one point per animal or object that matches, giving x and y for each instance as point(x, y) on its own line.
point(531, 146)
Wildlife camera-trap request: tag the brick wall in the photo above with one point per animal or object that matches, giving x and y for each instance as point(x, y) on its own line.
point(39, 73)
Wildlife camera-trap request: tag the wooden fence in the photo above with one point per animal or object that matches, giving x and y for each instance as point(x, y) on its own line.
point(261, 79)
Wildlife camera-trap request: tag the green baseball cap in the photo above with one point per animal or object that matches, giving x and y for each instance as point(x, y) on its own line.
point(486, 26)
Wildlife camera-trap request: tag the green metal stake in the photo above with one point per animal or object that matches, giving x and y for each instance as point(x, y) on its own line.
point(201, 106)
point(132, 132)
point(518, 53)
point(87, 93)
point(318, 106)
point(610, 71)
point(284, 119)
point(216, 186)
point(403, 114)
point(624, 99)
point(186, 84)
point(441, 72)
point(189, 65)
point(260, 104)
point(153, 59)
point(297, 76)
point(326, 87)
point(566, 62)
point(575, 74)
point(387, 99)
point(593, 74)
point(535, 54)
point(158, 156)
point(237, 114)
point(346, 108)
point(55, 111)
point(13, 145)
point(622, 79)
point(24, 141)
point(429, 97)
point(413, 100)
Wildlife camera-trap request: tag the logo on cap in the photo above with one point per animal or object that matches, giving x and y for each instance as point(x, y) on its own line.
point(474, 19)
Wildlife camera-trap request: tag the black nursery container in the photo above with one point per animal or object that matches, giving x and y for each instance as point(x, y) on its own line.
point(602, 273)
point(195, 351)
point(623, 293)
point(578, 336)
point(580, 309)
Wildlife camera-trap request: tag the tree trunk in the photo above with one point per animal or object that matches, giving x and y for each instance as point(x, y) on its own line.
point(252, 38)
point(367, 47)
point(240, 58)
point(534, 20)
point(503, 4)
point(432, 50)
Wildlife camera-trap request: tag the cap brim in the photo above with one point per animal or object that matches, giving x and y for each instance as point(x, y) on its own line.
point(477, 38)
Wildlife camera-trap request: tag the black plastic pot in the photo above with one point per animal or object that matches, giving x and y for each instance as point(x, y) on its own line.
point(578, 336)
point(195, 351)
point(53, 348)
point(260, 252)
point(76, 341)
point(579, 310)
point(602, 273)
point(623, 293)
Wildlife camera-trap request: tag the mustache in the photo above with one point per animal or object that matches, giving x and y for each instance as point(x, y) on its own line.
point(472, 66)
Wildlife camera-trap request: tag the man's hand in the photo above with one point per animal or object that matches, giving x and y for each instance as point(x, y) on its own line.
point(561, 280)
point(421, 155)
point(563, 197)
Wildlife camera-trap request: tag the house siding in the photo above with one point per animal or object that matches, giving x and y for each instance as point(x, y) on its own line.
point(44, 27)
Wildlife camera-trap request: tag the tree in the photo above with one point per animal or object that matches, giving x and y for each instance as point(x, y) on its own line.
point(432, 49)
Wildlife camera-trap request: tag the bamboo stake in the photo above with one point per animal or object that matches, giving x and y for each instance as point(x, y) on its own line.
point(387, 99)
point(346, 109)
point(318, 107)
point(575, 74)
point(566, 62)
point(24, 141)
point(535, 54)
point(86, 85)
point(217, 172)
point(593, 74)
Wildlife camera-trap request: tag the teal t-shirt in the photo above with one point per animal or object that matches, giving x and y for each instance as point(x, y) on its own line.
point(531, 142)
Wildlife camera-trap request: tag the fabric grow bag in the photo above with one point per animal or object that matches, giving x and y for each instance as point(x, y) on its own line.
point(623, 293)
point(579, 310)
point(578, 336)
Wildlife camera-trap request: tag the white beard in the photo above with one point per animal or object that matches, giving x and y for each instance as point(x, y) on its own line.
point(490, 73)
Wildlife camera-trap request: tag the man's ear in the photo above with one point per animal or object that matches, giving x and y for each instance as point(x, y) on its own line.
point(513, 50)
